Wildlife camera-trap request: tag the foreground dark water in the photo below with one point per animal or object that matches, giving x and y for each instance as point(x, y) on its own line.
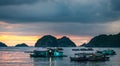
point(15, 56)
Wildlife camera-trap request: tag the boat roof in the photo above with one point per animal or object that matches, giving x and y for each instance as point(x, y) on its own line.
point(41, 49)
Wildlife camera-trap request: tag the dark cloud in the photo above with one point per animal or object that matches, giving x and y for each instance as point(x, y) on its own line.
point(83, 11)
point(16, 2)
point(78, 29)
point(115, 4)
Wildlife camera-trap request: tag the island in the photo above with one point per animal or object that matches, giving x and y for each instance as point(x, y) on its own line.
point(2, 44)
point(21, 45)
point(51, 41)
point(104, 41)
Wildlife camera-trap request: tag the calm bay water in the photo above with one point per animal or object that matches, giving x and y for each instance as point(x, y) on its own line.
point(15, 56)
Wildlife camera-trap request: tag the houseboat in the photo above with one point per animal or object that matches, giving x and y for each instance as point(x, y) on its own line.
point(47, 52)
point(98, 57)
point(89, 57)
point(107, 52)
point(79, 57)
point(83, 49)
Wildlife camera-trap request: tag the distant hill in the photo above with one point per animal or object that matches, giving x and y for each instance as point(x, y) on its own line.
point(104, 41)
point(3, 44)
point(21, 45)
point(65, 42)
point(51, 41)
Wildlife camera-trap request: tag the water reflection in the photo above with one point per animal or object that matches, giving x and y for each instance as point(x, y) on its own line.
point(19, 58)
point(6, 56)
point(65, 62)
point(46, 61)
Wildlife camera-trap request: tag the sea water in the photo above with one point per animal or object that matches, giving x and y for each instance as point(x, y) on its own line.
point(16, 56)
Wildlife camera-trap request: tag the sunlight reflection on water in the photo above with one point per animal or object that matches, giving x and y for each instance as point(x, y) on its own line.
point(17, 57)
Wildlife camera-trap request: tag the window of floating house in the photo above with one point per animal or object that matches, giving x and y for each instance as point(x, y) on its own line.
point(42, 53)
point(46, 53)
point(58, 53)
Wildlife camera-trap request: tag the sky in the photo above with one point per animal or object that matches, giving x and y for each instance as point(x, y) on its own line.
point(25, 21)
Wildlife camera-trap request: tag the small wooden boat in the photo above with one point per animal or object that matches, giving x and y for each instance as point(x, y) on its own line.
point(28, 51)
point(75, 49)
point(83, 49)
point(59, 48)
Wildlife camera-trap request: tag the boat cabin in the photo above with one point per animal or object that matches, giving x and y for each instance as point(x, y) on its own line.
point(47, 53)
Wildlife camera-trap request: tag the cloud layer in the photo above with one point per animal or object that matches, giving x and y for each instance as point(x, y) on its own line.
point(16, 2)
point(76, 29)
point(82, 11)
point(78, 32)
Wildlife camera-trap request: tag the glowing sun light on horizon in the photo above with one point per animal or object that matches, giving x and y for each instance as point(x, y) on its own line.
point(12, 40)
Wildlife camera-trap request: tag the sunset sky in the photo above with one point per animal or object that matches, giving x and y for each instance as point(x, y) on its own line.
point(25, 21)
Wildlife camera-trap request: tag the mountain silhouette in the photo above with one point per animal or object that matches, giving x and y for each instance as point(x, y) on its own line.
point(51, 41)
point(3, 44)
point(104, 41)
point(66, 42)
point(21, 45)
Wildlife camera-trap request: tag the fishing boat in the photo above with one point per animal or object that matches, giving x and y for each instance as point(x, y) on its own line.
point(107, 52)
point(89, 57)
point(79, 57)
point(98, 57)
point(83, 49)
point(59, 48)
point(47, 52)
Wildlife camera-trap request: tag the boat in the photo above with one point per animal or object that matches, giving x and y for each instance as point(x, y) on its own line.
point(59, 48)
point(83, 49)
point(98, 57)
point(89, 57)
point(47, 52)
point(75, 49)
point(79, 57)
point(107, 52)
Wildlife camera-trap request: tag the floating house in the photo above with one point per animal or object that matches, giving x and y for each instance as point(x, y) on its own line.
point(47, 52)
